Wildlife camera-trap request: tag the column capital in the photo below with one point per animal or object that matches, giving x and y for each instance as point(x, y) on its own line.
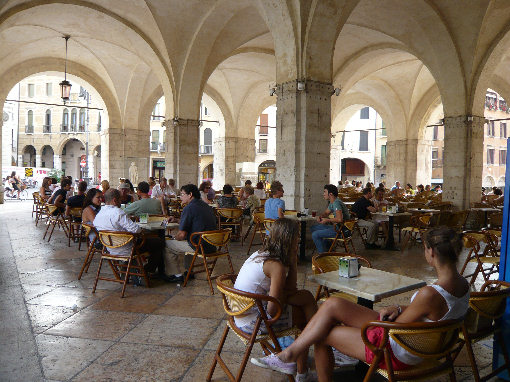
point(182, 122)
point(307, 87)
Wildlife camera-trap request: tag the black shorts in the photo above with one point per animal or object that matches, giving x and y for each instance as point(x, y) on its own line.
point(15, 186)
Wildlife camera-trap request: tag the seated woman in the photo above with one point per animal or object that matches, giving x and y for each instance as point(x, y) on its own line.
point(273, 271)
point(259, 191)
point(250, 202)
point(227, 200)
point(204, 190)
point(275, 206)
point(91, 205)
point(338, 322)
point(44, 191)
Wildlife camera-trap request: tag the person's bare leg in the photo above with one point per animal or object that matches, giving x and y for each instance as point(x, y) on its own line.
point(333, 312)
point(304, 307)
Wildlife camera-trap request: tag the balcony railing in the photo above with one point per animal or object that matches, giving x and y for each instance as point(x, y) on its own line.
point(155, 146)
point(205, 149)
point(81, 128)
point(46, 128)
point(64, 128)
point(262, 151)
point(29, 129)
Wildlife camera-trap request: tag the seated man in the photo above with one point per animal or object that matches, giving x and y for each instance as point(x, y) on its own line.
point(164, 190)
point(126, 195)
point(197, 216)
point(379, 202)
point(145, 205)
point(362, 208)
point(59, 197)
point(326, 226)
point(112, 218)
point(77, 200)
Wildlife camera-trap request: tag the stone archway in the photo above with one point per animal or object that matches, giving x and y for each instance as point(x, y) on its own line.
point(47, 156)
point(28, 156)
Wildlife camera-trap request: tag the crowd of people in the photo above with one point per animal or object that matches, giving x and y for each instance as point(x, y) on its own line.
point(272, 270)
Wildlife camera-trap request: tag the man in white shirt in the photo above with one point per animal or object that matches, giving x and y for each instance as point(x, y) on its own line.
point(163, 190)
point(112, 218)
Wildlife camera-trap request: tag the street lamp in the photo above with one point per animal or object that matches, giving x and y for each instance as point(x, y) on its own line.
point(65, 86)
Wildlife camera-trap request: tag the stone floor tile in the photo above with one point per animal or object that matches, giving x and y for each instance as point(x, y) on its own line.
point(232, 344)
point(64, 357)
point(193, 306)
point(197, 287)
point(202, 365)
point(48, 277)
point(34, 290)
point(69, 297)
point(172, 331)
point(97, 324)
point(137, 302)
point(44, 317)
point(137, 362)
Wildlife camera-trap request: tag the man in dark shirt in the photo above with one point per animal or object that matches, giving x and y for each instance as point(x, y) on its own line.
point(362, 208)
point(197, 216)
point(77, 200)
point(59, 197)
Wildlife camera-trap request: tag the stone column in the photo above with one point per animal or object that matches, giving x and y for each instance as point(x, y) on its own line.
point(228, 151)
point(120, 147)
point(334, 170)
point(181, 159)
point(408, 161)
point(37, 160)
point(57, 162)
point(463, 160)
point(303, 142)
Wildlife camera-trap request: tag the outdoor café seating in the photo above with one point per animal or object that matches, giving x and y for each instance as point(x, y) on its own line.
point(235, 303)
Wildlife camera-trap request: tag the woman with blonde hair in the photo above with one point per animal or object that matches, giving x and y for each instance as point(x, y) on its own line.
point(273, 271)
point(105, 185)
point(44, 191)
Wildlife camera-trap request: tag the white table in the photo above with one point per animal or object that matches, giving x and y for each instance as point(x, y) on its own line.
point(372, 285)
point(153, 226)
point(424, 210)
point(390, 243)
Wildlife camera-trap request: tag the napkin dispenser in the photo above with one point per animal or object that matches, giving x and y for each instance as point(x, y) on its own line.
point(144, 218)
point(348, 267)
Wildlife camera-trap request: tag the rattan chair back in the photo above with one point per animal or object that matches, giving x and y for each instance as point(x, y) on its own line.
point(114, 239)
point(231, 214)
point(432, 341)
point(482, 320)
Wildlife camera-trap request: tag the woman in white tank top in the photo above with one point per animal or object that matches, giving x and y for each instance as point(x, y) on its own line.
point(273, 271)
point(447, 299)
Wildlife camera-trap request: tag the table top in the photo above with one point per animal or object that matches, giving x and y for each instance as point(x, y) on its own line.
point(424, 210)
point(153, 226)
point(301, 218)
point(392, 213)
point(371, 284)
point(486, 209)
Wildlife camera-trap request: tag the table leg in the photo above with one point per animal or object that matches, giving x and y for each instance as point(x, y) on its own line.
point(302, 242)
point(390, 242)
point(366, 303)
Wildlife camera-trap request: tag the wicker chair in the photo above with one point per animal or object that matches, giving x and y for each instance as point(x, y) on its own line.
point(258, 228)
point(86, 231)
point(495, 220)
point(457, 220)
point(55, 218)
point(219, 239)
point(489, 257)
point(237, 303)
point(231, 218)
point(328, 262)
point(435, 342)
point(36, 205)
point(42, 211)
point(482, 321)
point(419, 224)
point(340, 237)
point(74, 224)
point(130, 264)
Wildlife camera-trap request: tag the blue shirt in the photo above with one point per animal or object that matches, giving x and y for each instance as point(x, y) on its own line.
point(271, 208)
point(198, 216)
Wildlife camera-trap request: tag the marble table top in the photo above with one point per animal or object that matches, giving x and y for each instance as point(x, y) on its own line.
point(486, 209)
point(153, 226)
point(392, 213)
point(371, 284)
point(424, 210)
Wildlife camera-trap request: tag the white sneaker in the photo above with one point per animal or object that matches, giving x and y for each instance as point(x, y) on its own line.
point(344, 361)
point(310, 376)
